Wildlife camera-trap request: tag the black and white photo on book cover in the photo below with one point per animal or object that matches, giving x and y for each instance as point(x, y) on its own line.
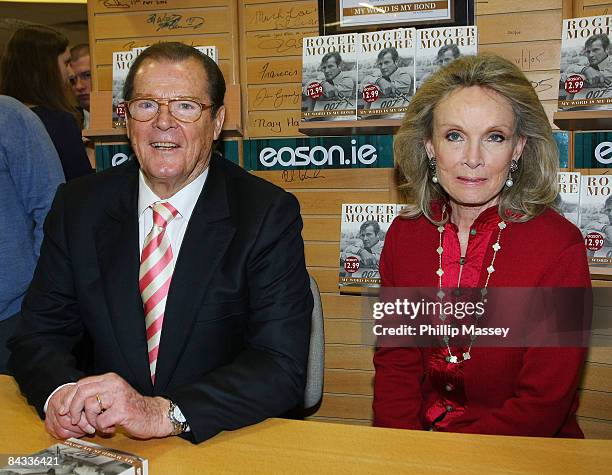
point(386, 73)
point(596, 218)
point(362, 236)
point(568, 199)
point(329, 78)
point(437, 47)
point(585, 81)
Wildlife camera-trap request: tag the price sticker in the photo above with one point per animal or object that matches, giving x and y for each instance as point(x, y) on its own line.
point(574, 84)
point(594, 241)
point(351, 264)
point(314, 90)
point(371, 93)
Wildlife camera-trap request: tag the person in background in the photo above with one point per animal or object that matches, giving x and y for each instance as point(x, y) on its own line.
point(186, 273)
point(35, 70)
point(480, 164)
point(80, 79)
point(30, 172)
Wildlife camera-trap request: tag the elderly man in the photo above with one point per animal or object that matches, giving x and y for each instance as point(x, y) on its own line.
point(185, 272)
point(80, 80)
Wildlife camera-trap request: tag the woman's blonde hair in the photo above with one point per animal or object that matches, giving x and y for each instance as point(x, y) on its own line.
point(535, 182)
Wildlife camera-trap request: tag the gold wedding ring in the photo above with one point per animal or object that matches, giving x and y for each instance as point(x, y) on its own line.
point(99, 399)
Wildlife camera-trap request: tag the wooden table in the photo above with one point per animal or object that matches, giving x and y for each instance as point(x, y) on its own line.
point(284, 446)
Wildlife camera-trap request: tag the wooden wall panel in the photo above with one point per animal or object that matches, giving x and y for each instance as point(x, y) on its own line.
point(341, 381)
point(595, 428)
point(123, 6)
point(194, 21)
point(274, 97)
point(330, 202)
point(273, 70)
point(346, 406)
point(321, 254)
point(327, 278)
point(276, 44)
point(503, 6)
point(529, 56)
point(104, 49)
point(329, 178)
point(595, 404)
point(514, 27)
point(273, 123)
point(279, 16)
point(321, 228)
point(342, 356)
point(344, 306)
point(545, 83)
point(351, 332)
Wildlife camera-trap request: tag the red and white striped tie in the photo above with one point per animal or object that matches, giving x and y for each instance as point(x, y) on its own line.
point(156, 267)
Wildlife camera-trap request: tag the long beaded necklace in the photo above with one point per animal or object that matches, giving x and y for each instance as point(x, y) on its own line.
point(440, 272)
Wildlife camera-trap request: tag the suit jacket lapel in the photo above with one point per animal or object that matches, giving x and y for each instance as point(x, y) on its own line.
point(206, 239)
point(119, 261)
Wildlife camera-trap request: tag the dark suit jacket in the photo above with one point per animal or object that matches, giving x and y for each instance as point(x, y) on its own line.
point(234, 343)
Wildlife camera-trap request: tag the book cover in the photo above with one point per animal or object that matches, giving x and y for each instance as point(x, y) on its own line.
point(596, 218)
point(568, 199)
point(75, 456)
point(122, 60)
point(210, 51)
point(362, 235)
point(329, 78)
point(436, 47)
point(585, 66)
point(385, 73)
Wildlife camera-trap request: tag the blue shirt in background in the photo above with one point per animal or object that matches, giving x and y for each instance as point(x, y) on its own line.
point(30, 172)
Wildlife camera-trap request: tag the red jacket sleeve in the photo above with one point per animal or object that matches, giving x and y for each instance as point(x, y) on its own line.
point(399, 371)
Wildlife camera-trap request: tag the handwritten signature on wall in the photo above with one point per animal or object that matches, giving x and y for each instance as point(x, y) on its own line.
point(289, 176)
point(175, 21)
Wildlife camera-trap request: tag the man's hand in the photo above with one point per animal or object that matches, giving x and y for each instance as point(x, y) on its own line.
point(58, 421)
point(108, 401)
point(329, 90)
point(367, 258)
point(594, 77)
point(386, 87)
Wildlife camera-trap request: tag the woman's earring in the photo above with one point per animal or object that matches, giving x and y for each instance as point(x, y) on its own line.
point(513, 168)
point(432, 166)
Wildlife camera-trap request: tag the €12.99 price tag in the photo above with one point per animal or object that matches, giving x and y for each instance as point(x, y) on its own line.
point(370, 93)
point(594, 241)
point(314, 90)
point(574, 84)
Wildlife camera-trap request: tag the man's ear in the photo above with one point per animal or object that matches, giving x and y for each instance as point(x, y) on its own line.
point(218, 122)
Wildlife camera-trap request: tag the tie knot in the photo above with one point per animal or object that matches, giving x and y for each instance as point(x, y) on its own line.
point(163, 213)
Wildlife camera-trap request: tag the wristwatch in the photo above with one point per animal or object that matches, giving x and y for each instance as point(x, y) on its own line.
point(179, 423)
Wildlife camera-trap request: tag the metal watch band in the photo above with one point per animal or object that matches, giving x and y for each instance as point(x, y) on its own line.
point(178, 426)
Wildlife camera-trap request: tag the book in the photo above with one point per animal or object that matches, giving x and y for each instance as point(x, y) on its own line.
point(436, 47)
point(585, 67)
point(77, 456)
point(568, 199)
point(385, 73)
point(329, 78)
point(122, 61)
point(362, 235)
point(596, 218)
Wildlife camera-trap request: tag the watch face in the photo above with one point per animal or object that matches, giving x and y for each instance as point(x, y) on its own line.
point(178, 415)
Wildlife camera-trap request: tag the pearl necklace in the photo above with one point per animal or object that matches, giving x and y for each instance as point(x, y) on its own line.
point(440, 272)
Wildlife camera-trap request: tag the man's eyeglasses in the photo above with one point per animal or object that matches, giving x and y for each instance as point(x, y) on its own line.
point(84, 76)
point(144, 109)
